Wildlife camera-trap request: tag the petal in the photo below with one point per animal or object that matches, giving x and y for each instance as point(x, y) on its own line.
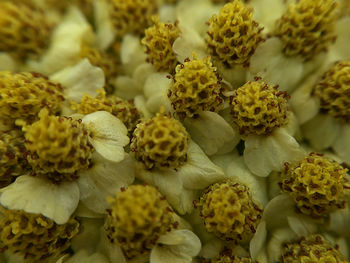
point(111, 250)
point(40, 196)
point(83, 256)
point(262, 154)
point(212, 133)
point(199, 172)
point(302, 225)
point(339, 222)
point(7, 62)
point(108, 135)
point(258, 241)
point(104, 28)
point(132, 53)
point(127, 87)
point(340, 49)
point(83, 78)
point(103, 179)
point(275, 244)
point(342, 143)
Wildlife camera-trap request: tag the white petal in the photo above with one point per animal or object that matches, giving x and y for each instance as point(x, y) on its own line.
point(7, 62)
point(302, 225)
point(132, 53)
point(109, 135)
point(342, 143)
point(103, 179)
point(140, 104)
point(199, 172)
point(212, 132)
point(104, 28)
point(127, 87)
point(278, 238)
point(83, 211)
point(83, 256)
point(339, 222)
point(40, 196)
point(112, 251)
point(264, 154)
point(340, 50)
point(321, 131)
point(258, 241)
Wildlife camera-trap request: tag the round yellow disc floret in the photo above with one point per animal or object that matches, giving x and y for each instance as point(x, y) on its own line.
point(228, 256)
point(317, 184)
point(258, 108)
point(334, 91)
point(306, 28)
point(58, 147)
point(160, 142)
point(131, 16)
point(123, 110)
point(23, 95)
point(159, 40)
point(24, 31)
point(311, 249)
point(229, 212)
point(138, 216)
point(107, 63)
point(233, 35)
point(196, 88)
point(34, 236)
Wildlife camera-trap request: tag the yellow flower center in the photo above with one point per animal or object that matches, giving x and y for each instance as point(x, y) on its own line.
point(23, 95)
point(34, 236)
point(106, 62)
point(123, 110)
point(24, 31)
point(131, 16)
point(229, 212)
point(258, 108)
point(334, 91)
point(196, 88)
point(312, 249)
point(58, 147)
point(233, 35)
point(139, 215)
point(159, 41)
point(306, 28)
point(316, 184)
point(228, 256)
point(160, 142)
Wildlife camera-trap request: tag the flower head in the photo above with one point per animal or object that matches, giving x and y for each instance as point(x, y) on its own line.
point(334, 91)
point(317, 184)
point(58, 147)
point(159, 40)
point(159, 142)
point(138, 216)
point(34, 236)
point(233, 35)
point(258, 108)
point(229, 211)
point(306, 28)
point(228, 256)
point(196, 88)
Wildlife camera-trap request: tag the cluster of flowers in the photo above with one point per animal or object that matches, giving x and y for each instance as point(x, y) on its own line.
point(208, 131)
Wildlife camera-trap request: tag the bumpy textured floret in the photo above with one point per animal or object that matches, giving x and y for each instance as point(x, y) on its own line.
point(229, 212)
point(311, 249)
point(159, 40)
point(258, 108)
point(58, 147)
point(334, 91)
point(24, 31)
point(34, 236)
point(123, 110)
point(160, 142)
point(228, 256)
point(139, 215)
point(233, 35)
point(196, 88)
point(131, 16)
point(23, 95)
point(107, 63)
point(317, 184)
point(306, 28)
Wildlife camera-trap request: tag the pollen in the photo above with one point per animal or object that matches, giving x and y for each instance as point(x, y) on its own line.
point(334, 91)
point(34, 236)
point(131, 16)
point(317, 184)
point(138, 216)
point(233, 35)
point(160, 142)
point(196, 88)
point(23, 95)
point(58, 147)
point(228, 256)
point(159, 41)
point(106, 62)
point(123, 110)
point(307, 28)
point(258, 108)
point(24, 31)
point(229, 212)
point(313, 248)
